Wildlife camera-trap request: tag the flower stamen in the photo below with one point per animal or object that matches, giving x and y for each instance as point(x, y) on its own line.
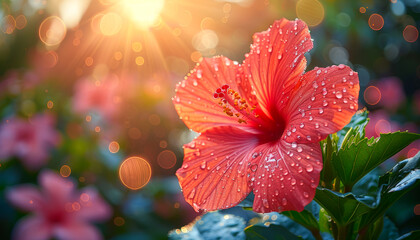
point(234, 105)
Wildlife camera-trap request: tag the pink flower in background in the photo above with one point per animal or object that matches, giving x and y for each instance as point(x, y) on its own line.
point(392, 93)
point(29, 140)
point(261, 122)
point(58, 210)
point(97, 96)
point(379, 122)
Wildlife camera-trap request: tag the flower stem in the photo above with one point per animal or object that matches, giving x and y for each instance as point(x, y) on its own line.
point(342, 232)
point(316, 234)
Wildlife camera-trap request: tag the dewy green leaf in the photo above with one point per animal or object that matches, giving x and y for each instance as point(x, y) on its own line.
point(394, 184)
point(304, 218)
point(212, 225)
point(357, 124)
point(356, 158)
point(271, 231)
point(343, 208)
point(415, 235)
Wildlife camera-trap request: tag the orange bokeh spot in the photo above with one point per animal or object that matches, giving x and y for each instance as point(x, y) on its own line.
point(50, 59)
point(118, 55)
point(196, 56)
point(166, 159)
point(8, 24)
point(65, 171)
point(97, 129)
point(84, 197)
point(52, 31)
point(417, 209)
point(135, 172)
point(88, 118)
point(372, 95)
point(136, 46)
point(114, 147)
point(89, 61)
point(50, 104)
point(376, 22)
point(21, 22)
point(410, 33)
point(139, 60)
point(119, 221)
point(362, 9)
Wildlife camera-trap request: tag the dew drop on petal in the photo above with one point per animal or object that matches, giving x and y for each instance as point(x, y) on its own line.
point(293, 181)
point(294, 145)
point(203, 165)
point(305, 194)
point(254, 167)
point(284, 201)
point(309, 168)
point(265, 203)
point(321, 111)
point(299, 149)
point(192, 194)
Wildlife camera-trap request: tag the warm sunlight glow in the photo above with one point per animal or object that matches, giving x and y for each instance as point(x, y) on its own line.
point(143, 12)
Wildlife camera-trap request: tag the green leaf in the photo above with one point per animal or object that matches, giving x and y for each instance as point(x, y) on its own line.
point(269, 231)
point(212, 225)
point(393, 185)
point(356, 158)
point(304, 218)
point(389, 230)
point(343, 208)
point(357, 125)
point(415, 235)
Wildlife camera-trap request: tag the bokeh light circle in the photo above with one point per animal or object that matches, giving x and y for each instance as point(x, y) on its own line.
point(65, 171)
point(135, 172)
point(114, 147)
point(52, 31)
point(166, 159)
point(372, 95)
point(110, 24)
point(410, 33)
point(376, 22)
point(8, 24)
point(310, 11)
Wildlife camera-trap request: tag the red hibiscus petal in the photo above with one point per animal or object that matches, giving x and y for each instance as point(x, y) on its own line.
point(194, 100)
point(276, 61)
point(214, 173)
point(288, 175)
point(324, 103)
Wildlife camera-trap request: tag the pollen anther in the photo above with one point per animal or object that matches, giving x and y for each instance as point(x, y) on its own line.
point(233, 104)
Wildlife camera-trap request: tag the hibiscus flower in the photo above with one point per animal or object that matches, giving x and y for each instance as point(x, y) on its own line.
point(260, 123)
point(30, 141)
point(59, 211)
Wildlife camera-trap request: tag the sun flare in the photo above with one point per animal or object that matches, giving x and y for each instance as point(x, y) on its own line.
point(143, 13)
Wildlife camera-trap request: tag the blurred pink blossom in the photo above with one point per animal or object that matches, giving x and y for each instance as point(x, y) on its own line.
point(380, 123)
point(58, 210)
point(28, 140)
point(392, 93)
point(98, 96)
